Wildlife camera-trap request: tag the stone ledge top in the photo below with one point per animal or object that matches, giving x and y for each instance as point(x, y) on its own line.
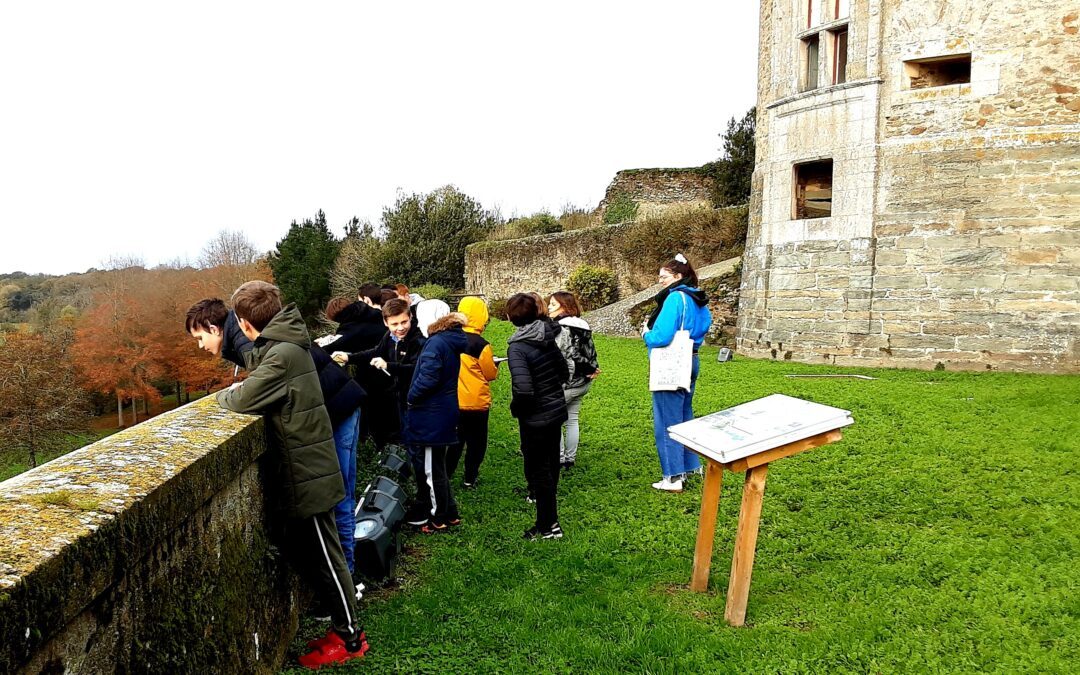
point(51, 506)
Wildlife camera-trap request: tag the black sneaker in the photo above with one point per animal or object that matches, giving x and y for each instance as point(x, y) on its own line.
point(536, 533)
point(567, 466)
point(417, 515)
point(468, 484)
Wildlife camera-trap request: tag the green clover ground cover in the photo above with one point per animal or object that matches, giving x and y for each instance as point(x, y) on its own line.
point(940, 535)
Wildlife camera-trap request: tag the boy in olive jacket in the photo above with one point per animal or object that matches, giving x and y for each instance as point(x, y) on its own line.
point(283, 386)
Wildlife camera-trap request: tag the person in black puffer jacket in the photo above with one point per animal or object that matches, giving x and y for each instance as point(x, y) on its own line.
point(361, 327)
point(360, 323)
point(537, 374)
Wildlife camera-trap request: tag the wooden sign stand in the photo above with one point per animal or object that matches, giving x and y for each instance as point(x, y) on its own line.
point(742, 560)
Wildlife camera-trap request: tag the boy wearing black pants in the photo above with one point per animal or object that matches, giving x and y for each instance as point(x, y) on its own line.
point(432, 415)
point(478, 369)
point(283, 386)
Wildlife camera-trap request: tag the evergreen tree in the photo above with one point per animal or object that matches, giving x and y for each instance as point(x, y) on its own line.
point(735, 168)
point(426, 236)
point(301, 264)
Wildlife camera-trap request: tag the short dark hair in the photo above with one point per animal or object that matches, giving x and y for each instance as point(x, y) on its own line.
point(372, 292)
point(522, 309)
point(206, 313)
point(257, 302)
point(689, 276)
point(336, 304)
point(387, 296)
point(394, 307)
point(568, 301)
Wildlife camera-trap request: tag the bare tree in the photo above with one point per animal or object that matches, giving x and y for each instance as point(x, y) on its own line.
point(230, 248)
point(234, 260)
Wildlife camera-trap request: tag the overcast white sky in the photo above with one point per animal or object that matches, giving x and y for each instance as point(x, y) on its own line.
point(144, 128)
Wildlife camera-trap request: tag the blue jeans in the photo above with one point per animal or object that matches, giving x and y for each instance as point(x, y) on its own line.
point(669, 408)
point(346, 435)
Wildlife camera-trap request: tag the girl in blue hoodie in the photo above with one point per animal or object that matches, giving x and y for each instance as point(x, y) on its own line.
point(679, 306)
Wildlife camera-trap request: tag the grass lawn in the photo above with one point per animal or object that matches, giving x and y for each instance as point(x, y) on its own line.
point(940, 535)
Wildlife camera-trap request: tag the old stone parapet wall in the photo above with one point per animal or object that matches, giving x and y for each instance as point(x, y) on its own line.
point(148, 551)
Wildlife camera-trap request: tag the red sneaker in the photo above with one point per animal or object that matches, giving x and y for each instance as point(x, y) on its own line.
point(332, 651)
point(433, 527)
point(326, 639)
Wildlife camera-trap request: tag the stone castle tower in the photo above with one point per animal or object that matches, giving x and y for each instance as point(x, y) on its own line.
point(916, 197)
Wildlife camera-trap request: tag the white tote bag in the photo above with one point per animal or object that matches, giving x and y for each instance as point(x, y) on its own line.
point(670, 366)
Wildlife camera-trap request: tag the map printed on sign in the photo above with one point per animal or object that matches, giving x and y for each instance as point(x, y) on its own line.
point(757, 426)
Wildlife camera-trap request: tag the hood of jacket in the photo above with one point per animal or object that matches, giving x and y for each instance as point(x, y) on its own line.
point(287, 326)
point(358, 312)
point(428, 312)
point(476, 313)
point(696, 294)
point(537, 332)
point(574, 322)
point(446, 323)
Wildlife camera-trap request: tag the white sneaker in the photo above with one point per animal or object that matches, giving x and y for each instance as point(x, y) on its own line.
point(669, 485)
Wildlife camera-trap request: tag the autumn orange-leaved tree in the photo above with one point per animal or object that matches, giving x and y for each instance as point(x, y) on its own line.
point(39, 393)
point(114, 347)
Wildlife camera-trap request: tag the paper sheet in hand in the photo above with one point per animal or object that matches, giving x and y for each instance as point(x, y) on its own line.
point(757, 426)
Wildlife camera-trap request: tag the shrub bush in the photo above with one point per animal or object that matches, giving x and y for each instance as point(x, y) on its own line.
point(538, 223)
point(577, 218)
point(704, 235)
point(497, 308)
point(594, 286)
point(621, 209)
point(433, 292)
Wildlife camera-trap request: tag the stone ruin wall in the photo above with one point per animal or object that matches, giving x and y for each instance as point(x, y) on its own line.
point(660, 190)
point(954, 239)
point(148, 551)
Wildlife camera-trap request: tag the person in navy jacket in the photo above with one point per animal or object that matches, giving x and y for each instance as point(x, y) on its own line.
point(431, 417)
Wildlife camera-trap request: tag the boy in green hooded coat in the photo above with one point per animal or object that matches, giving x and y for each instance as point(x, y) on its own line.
point(283, 386)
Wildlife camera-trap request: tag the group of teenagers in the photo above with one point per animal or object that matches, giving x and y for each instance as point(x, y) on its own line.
point(404, 370)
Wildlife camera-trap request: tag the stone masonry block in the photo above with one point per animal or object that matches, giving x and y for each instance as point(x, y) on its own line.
point(980, 281)
point(1042, 283)
point(1033, 256)
point(953, 241)
point(891, 259)
point(922, 341)
point(900, 281)
point(787, 280)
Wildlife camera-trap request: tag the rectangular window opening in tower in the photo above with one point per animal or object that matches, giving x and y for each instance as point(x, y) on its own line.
point(813, 189)
point(939, 71)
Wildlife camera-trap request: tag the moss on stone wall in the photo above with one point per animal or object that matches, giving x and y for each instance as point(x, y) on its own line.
point(170, 571)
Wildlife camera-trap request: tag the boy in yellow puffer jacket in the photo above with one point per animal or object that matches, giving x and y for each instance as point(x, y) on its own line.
point(478, 368)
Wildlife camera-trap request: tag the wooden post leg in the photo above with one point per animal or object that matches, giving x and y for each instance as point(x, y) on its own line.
point(703, 550)
point(742, 562)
